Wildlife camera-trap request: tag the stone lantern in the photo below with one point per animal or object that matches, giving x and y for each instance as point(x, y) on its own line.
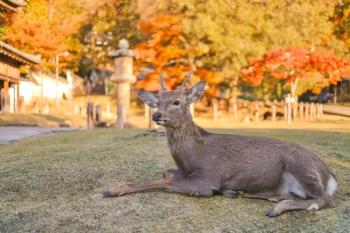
point(123, 77)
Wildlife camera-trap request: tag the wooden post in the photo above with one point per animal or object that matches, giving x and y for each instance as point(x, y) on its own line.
point(317, 111)
point(312, 111)
point(295, 110)
point(90, 115)
point(274, 110)
point(2, 99)
point(147, 111)
point(289, 113)
point(151, 123)
point(21, 104)
point(234, 108)
point(285, 111)
point(98, 115)
point(215, 109)
point(256, 111)
point(17, 99)
point(301, 111)
point(321, 110)
point(307, 111)
point(5, 97)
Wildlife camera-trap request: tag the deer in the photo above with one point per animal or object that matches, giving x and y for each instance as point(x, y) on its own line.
point(285, 173)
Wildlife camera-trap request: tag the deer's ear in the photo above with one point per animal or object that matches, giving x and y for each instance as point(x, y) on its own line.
point(195, 92)
point(149, 98)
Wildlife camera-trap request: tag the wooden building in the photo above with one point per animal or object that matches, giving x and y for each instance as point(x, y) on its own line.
point(11, 59)
point(11, 5)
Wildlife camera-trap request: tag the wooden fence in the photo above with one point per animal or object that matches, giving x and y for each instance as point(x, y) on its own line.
point(255, 111)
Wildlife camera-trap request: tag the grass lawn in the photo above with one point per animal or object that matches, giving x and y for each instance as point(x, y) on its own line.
point(49, 184)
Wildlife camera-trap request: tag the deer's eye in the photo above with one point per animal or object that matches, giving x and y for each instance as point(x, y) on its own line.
point(176, 102)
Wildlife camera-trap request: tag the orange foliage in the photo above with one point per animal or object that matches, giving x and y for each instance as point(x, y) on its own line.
point(44, 27)
point(290, 63)
point(163, 50)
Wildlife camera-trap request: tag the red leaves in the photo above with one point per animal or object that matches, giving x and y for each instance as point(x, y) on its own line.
point(290, 63)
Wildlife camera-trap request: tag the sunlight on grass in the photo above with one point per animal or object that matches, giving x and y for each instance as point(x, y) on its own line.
point(49, 184)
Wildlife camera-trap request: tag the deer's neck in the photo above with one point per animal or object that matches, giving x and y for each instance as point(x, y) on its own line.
point(184, 143)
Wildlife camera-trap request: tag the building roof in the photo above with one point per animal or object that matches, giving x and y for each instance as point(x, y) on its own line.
point(12, 5)
point(18, 55)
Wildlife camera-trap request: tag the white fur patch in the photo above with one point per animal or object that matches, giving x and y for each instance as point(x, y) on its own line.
point(313, 206)
point(331, 186)
point(291, 185)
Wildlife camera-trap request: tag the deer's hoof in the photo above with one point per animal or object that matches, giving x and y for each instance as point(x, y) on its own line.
point(271, 213)
point(230, 193)
point(107, 193)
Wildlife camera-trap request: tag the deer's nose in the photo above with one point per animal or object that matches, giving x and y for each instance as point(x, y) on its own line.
point(156, 116)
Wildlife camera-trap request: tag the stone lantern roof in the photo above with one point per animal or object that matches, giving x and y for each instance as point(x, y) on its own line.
point(123, 50)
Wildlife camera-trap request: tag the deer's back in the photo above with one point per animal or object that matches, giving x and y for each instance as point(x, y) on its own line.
point(259, 163)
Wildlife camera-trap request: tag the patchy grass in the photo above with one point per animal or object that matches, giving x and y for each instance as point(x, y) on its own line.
point(48, 184)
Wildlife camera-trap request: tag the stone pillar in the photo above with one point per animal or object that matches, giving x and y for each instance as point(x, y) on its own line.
point(123, 77)
point(274, 111)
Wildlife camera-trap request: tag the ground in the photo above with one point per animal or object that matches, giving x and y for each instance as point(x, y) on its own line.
point(49, 184)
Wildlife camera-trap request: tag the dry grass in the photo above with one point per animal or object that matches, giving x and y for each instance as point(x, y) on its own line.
point(48, 184)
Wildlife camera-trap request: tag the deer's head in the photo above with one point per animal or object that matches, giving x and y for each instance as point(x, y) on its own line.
point(172, 106)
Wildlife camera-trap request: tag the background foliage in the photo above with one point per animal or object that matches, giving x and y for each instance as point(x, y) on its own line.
point(216, 39)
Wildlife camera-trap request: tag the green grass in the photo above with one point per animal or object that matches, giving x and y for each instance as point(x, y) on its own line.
point(49, 184)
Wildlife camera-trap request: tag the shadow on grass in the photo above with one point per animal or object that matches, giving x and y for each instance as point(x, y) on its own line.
point(61, 122)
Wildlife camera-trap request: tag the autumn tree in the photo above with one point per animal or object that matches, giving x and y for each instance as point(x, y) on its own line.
point(161, 51)
point(296, 65)
point(341, 21)
point(106, 24)
point(225, 35)
point(46, 27)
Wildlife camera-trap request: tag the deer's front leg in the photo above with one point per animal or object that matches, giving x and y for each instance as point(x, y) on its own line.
point(133, 188)
point(191, 186)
